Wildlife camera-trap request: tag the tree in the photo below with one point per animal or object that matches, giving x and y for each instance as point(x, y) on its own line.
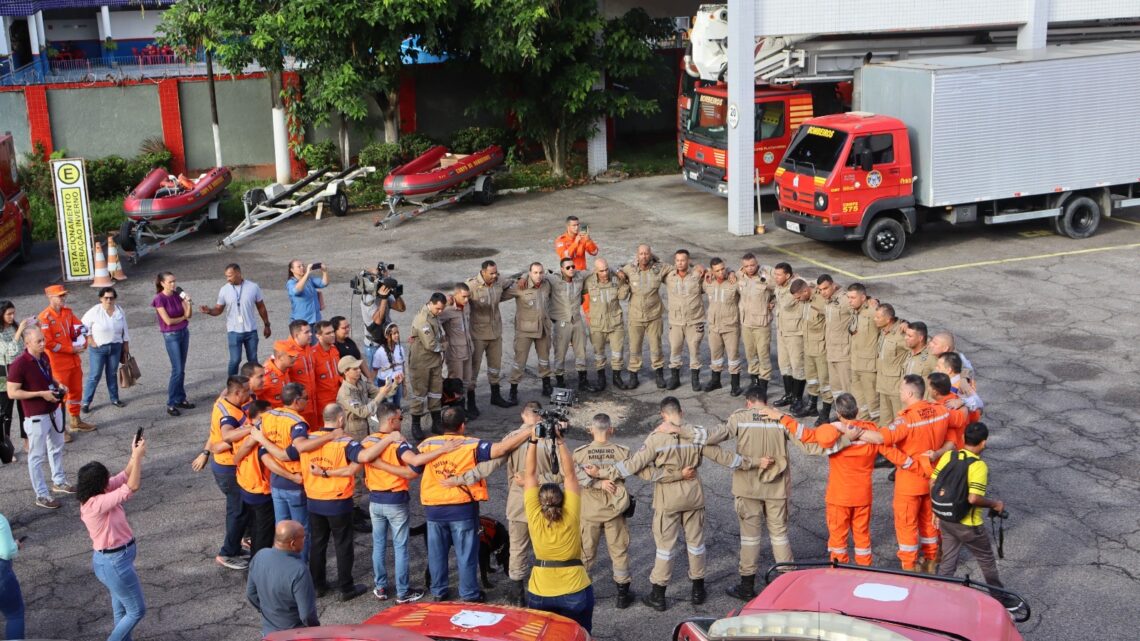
point(548, 58)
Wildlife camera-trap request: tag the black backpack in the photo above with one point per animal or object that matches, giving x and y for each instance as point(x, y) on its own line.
point(950, 494)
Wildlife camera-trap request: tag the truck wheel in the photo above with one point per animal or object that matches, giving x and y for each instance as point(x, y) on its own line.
point(485, 190)
point(1079, 219)
point(885, 240)
point(25, 254)
point(339, 204)
point(126, 238)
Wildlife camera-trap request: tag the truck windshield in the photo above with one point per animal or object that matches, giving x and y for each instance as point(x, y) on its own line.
point(708, 119)
point(814, 150)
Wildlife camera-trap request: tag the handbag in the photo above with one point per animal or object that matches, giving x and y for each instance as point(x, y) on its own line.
point(129, 372)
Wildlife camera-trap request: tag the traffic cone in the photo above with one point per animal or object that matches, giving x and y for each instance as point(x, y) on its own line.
point(102, 276)
point(113, 264)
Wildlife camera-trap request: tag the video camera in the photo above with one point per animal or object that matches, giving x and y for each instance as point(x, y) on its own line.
point(555, 419)
point(367, 283)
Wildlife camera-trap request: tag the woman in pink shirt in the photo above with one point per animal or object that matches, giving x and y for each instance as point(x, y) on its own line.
point(101, 498)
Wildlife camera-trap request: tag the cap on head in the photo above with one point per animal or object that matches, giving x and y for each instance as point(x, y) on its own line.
point(346, 363)
point(55, 290)
point(287, 347)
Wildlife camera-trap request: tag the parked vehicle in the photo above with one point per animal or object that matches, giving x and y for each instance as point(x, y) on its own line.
point(438, 178)
point(163, 208)
point(15, 213)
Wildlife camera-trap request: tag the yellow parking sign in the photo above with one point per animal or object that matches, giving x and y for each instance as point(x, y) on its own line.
point(74, 219)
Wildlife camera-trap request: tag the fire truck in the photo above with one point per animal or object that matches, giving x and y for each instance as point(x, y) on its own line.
point(990, 138)
point(15, 214)
point(799, 77)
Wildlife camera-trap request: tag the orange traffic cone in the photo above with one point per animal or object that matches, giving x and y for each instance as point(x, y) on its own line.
point(113, 264)
point(102, 276)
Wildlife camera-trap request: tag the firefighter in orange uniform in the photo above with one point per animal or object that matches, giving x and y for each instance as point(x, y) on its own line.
point(301, 333)
point(325, 358)
point(575, 244)
point(942, 393)
point(65, 339)
point(277, 368)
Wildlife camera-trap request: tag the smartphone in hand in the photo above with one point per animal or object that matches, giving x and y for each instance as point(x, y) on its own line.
point(138, 436)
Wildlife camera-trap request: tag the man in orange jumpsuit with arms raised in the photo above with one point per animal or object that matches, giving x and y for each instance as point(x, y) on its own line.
point(575, 244)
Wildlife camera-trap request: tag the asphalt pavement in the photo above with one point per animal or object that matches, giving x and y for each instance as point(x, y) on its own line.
point(1047, 321)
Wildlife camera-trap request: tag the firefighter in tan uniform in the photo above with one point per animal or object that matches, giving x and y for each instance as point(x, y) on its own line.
point(605, 293)
point(532, 327)
point(686, 318)
point(425, 362)
point(791, 317)
point(487, 293)
point(837, 317)
point(676, 504)
point(569, 329)
point(864, 352)
point(723, 326)
point(919, 360)
point(456, 322)
point(757, 298)
point(890, 361)
point(815, 352)
point(645, 277)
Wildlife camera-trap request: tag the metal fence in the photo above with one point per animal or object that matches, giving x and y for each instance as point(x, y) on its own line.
point(154, 67)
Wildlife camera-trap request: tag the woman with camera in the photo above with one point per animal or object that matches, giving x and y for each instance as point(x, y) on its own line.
point(11, 345)
point(302, 286)
point(559, 582)
point(174, 309)
point(101, 498)
point(109, 345)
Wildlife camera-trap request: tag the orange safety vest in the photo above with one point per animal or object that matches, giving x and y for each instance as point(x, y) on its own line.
point(329, 456)
point(272, 383)
point(223, 409)
point(277, 425)
point(454, 463)
point(252, 475)
point(376, 479)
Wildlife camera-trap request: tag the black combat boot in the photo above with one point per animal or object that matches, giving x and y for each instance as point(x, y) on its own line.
point(632, 383)
point(559, 380)
point(624, 597)
point(714, 382)
point(698, 594)
point(417, 428)
point(797, 406)
point(516, 595)
point(809, 408)
point(601, 385)
point(547, 388)
point(472, 411)
point(656, 598)
point(514, 395)
point(660, 373)
point(584, 383)
point(674, 378)
point(763, 385)
point(618, 382)
point(824, 414)
point(736, 389)
point(437, 422)
point(746, 590)
point(695, 379)
point(789, 392)
point(755, 380)
point(497, 397)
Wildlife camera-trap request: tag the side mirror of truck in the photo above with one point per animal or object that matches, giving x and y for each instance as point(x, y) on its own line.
point(866, 161)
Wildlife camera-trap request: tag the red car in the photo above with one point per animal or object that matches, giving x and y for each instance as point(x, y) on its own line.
point(450, 621)
point(858, 603)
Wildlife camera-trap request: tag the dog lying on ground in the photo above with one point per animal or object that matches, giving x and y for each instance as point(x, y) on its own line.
point(494, 543)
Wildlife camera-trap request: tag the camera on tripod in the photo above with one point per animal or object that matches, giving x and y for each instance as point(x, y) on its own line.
point(554, 419)
point(367, 283)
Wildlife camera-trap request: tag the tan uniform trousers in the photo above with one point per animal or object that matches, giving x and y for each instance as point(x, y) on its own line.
point(617, 542)
point(839, 377)
point(790, 355)
point(863, 387)
point(719, 344)
point(565, 335)
point(689, 335)
point(427, 388)
point(818, 382)
point(461, 368)
point(889, 407)
point(758, 350)
point(652, 330)
point(616, 340)
point(522, 352)
point(518, 568)
point(752, 514)
point(665, 529)
point(494, 352)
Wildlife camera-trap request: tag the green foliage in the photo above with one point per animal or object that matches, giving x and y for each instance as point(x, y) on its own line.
point(384, 156)
point(319, 155)
point(35, 173)
point(415, 144)
point(472, 139)
point(106, 216)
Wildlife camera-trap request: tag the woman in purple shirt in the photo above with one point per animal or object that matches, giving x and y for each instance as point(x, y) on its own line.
point(174, 309)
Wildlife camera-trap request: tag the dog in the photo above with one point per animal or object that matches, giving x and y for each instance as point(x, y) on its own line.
point(494, 544)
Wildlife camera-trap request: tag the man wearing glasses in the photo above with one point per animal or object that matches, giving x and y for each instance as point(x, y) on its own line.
point(239, 299)
point(569, 328)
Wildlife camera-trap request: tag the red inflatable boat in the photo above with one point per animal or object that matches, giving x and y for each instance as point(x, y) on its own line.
point(437, 170)
point(161, 198)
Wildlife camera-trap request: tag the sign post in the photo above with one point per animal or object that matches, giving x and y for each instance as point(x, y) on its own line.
point(73, 215)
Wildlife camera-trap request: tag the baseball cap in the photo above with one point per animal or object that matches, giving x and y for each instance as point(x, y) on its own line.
point(287, 346)
point(55, 290)
point(348, 362)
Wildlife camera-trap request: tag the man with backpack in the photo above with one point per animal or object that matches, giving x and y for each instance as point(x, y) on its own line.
point(958, 493)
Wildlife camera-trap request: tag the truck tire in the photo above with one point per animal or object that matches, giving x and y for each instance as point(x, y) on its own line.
point(25, 254)
point(1079, 219)
point(885, 240)
point(485, 190)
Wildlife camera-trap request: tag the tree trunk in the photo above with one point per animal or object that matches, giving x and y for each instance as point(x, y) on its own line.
point(556, 149)
point(342, 135)
point(389, 103)
point(214, 109)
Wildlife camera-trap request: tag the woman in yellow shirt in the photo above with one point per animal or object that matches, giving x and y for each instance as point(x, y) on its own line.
point(559, 582)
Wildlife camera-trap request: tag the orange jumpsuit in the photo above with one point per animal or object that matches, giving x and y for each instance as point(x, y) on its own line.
point(959, 419)
point(273, 382)
point(849, 492)
point(567, 246)
point(918, 428)
point(326, 375)
point(302, 372)
point(61, 329)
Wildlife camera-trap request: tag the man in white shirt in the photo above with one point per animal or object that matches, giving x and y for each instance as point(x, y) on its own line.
point(239, 298)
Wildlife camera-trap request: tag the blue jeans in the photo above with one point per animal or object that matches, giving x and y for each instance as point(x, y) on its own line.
point(396, 516)
point(11, 602)
point(117, 572)
point(576, 605)
point(104, 359)
point(238, 340)
point(237, 516)
point(292, 504)
point(177, 345)
point(464, 535)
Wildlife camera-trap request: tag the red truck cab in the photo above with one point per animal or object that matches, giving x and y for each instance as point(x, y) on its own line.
point(15, 213)
point(849, 177)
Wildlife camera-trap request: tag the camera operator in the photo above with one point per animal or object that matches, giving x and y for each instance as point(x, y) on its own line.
point(380, 295)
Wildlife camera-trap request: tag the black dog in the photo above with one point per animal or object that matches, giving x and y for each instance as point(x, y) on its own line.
point(494, 542)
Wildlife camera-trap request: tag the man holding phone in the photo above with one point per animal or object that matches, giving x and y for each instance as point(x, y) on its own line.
point(575, 244)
